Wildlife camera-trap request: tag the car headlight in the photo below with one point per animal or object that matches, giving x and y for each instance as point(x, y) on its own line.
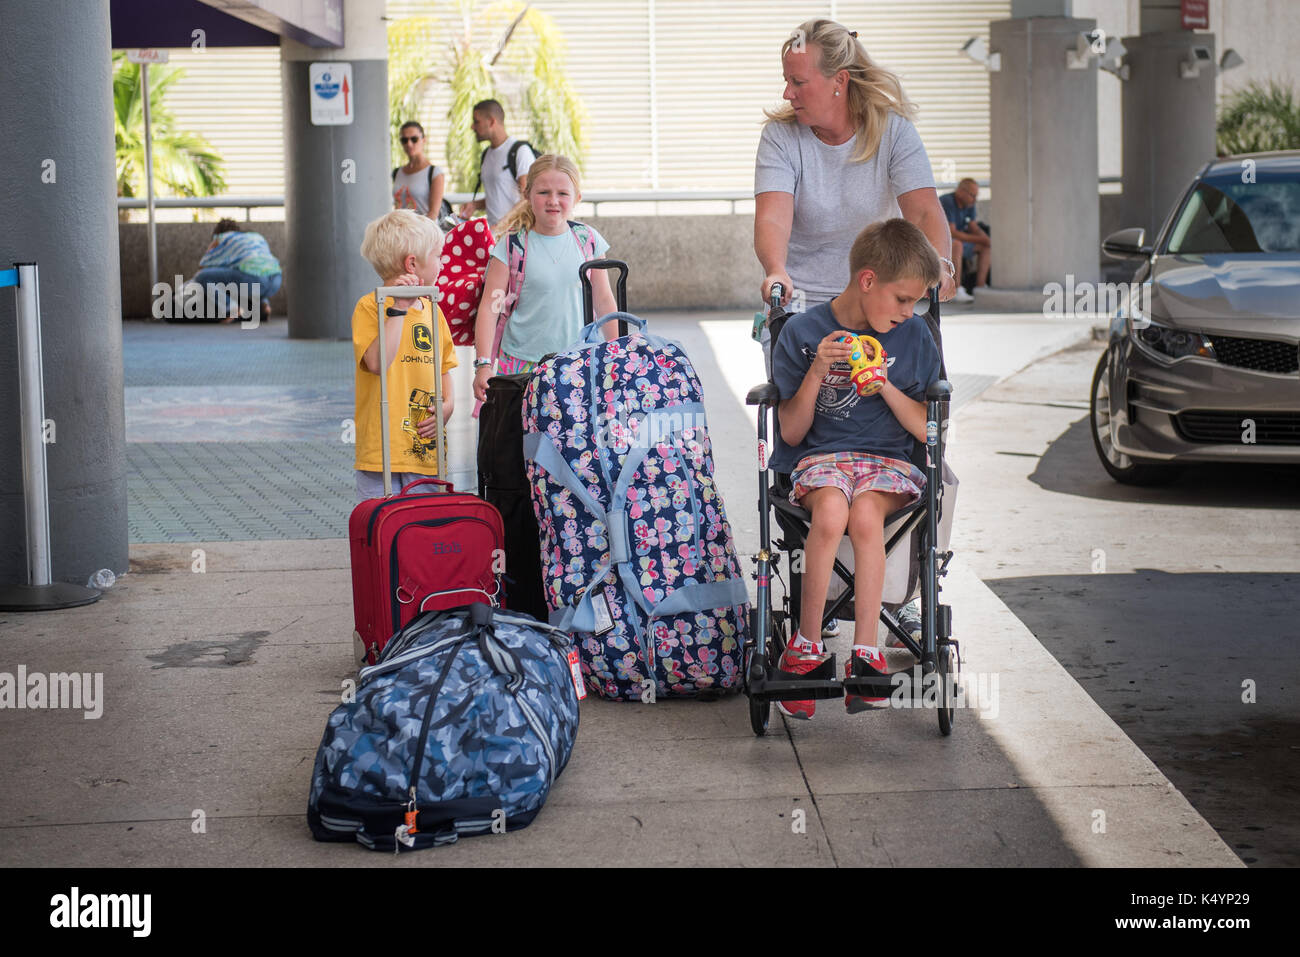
point(1170, 343)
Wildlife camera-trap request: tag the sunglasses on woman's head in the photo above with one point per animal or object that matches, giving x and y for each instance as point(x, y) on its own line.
point(409, 139)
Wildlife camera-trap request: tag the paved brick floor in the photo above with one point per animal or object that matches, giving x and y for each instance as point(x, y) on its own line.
point(240, 434)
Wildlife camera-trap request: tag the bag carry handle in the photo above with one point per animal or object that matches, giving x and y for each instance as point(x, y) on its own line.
point(426, 481)
point(620, 290)
point(592, 333)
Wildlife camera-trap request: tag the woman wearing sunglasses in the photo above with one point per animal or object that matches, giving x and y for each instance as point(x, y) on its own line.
point(419, 184)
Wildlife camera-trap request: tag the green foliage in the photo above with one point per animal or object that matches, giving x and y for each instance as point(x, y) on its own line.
point(184, 164)
point(470, 83)
point(505, 50)
point(1259, 118)
point(412, 62)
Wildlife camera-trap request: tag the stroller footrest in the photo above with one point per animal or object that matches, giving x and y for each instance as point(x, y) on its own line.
point(795, 688)
point(870, 687)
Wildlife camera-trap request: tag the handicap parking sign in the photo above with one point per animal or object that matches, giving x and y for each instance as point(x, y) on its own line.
point(331, 93)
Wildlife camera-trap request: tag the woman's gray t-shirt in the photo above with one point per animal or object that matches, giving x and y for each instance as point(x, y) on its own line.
point(835, 198)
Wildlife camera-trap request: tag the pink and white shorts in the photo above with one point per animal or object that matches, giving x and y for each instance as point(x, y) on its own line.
point(854, 473)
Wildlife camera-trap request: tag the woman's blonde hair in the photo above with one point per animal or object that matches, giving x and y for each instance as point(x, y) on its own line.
point(522, 216)
point(873, 92)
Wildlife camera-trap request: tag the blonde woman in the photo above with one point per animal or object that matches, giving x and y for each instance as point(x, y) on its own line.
point(532, 300)
point(843, 154)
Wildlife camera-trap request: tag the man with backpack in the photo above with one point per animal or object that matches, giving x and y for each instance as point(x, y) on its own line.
point(503, 167)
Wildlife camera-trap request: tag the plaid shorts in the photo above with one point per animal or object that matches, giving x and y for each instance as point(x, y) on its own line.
point(854, 473)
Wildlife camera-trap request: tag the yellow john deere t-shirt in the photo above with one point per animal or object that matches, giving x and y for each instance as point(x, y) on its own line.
point(410, 388)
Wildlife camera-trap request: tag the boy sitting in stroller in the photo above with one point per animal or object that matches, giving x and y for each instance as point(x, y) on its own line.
point(847, 444)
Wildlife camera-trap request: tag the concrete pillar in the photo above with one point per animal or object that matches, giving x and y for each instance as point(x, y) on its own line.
point(336, 177)
point(1043, 132)
point(1169, 123)
point(1160, 16)
point(1042, 8)
point(58, 209)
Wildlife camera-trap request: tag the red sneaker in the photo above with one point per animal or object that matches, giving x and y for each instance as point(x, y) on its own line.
point(799, 663)
point(864, 662)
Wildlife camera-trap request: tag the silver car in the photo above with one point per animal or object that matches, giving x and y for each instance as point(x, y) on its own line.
point(1204, 363)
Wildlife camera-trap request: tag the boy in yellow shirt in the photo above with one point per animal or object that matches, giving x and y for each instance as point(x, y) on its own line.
point(405, 249)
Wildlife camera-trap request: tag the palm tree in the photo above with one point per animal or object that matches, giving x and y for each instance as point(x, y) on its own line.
point(412, 48)
point(1259, 118)
point(523, 68)
point(184, 164)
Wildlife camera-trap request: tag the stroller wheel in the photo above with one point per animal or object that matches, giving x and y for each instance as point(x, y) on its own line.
point(947, 686)
point(760, 712)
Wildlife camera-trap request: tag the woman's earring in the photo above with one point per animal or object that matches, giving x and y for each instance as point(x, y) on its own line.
point(837, 92)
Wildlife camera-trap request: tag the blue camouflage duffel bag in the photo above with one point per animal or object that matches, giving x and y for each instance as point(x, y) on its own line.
point(637, 556)
point(461, 728)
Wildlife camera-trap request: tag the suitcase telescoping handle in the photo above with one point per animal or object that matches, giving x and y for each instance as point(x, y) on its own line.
point(408, 292)
point(620, 288)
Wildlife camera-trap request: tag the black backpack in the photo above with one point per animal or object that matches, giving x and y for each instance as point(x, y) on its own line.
point(512, 162)
point(445, 209)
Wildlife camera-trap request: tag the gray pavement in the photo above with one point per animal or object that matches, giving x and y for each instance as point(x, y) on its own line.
point(1165, 604)
point(217, 684)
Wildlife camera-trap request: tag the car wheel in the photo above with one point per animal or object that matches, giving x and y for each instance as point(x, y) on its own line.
point(1121, 467)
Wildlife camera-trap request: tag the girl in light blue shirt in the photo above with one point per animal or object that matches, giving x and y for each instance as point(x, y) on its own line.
point(532, 299)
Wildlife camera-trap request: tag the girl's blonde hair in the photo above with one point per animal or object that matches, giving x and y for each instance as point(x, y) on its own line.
point(873, 92)
point(522, 216)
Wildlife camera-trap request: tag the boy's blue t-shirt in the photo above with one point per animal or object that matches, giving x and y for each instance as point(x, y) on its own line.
point(843, 420)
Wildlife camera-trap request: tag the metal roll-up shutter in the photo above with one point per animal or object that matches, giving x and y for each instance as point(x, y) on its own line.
point(231, 95)
point(920, 42)
point(675, 89)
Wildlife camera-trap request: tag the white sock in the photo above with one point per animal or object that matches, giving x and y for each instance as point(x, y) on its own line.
point(805, 645)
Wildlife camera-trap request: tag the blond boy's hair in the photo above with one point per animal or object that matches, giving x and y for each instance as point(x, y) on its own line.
point(895, 249)
point(396, 235)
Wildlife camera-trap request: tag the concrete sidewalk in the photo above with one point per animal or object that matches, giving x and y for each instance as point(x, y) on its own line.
point(217, 686)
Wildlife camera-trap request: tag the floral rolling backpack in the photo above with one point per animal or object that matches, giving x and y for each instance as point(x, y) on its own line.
point(637, 556)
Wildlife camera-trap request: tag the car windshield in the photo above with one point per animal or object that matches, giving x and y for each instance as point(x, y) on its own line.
point(1228, 216)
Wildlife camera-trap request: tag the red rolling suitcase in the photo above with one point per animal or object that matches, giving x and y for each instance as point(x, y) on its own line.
point(418, 550)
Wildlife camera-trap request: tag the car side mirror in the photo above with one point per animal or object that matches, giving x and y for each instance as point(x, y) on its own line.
point(1127, 244)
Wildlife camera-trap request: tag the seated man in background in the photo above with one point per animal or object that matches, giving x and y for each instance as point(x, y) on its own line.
point(970, 243)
